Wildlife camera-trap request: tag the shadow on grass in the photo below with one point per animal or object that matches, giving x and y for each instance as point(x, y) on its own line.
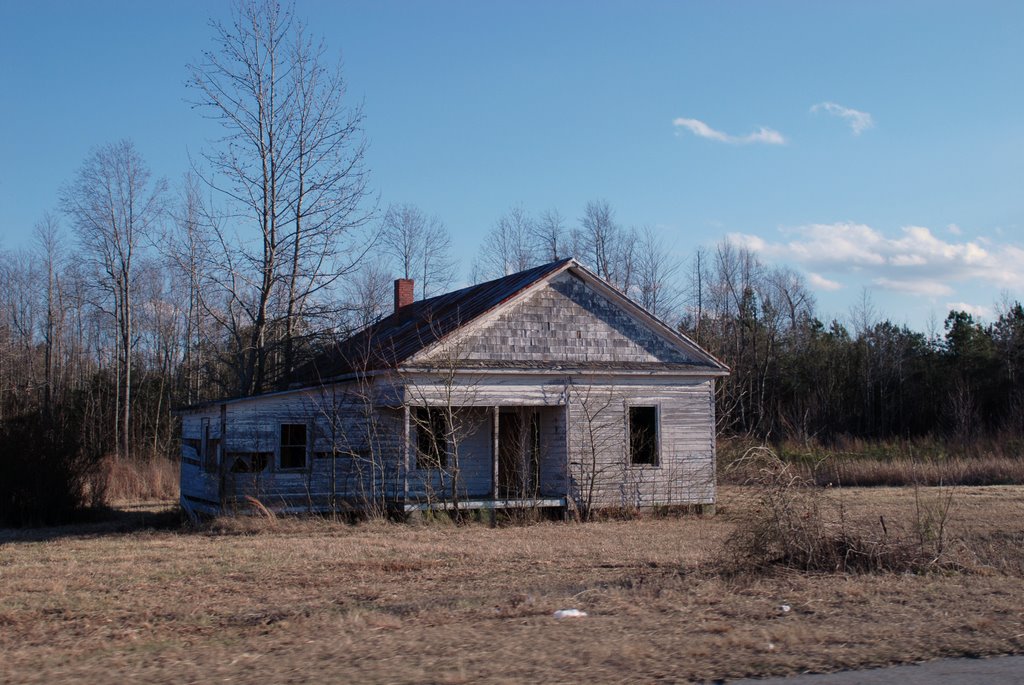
point(104, 521)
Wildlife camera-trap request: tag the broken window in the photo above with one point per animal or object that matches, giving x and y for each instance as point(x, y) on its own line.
point(248, 462)
point(293, 445)
point(431, 438)
point(643, 436)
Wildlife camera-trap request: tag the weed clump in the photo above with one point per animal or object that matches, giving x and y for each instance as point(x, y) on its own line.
point(791, 523)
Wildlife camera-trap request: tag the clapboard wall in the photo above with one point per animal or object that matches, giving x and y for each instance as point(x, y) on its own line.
point(599, 468)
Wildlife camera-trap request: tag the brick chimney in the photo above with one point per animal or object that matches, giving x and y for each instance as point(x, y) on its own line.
point(404, 293)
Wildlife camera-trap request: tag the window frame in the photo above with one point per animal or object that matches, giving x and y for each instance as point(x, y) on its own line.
point(658, 456)
point(281, 447)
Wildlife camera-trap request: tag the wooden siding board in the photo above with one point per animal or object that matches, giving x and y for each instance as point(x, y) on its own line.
point(685, 474)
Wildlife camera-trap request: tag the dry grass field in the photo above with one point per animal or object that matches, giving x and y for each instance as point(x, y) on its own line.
point(310, 600)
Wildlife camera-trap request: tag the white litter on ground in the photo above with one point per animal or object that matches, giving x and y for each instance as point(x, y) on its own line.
point(569, 613)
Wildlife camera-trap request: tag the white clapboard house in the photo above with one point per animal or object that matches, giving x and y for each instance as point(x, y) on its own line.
point(545, 388)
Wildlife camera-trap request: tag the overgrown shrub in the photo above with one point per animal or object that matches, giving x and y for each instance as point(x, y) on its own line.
point(140, 478)
point(792, 524)
point(47, 473)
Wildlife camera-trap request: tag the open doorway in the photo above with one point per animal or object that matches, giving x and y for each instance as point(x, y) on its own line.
point(518, 453)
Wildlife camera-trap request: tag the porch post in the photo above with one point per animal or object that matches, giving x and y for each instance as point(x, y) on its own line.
point(405, 455)
point(494, 464)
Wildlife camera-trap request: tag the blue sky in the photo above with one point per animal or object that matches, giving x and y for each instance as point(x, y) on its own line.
point(696, 118)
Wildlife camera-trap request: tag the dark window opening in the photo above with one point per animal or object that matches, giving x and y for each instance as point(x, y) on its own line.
point(210, 458)
point(431, 438)
point(643, 436)
point(293, 445)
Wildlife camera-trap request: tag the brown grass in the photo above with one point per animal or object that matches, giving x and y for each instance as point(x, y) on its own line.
point(312, 600)
point(138, 480)
point(857, 463)
point(955, 471)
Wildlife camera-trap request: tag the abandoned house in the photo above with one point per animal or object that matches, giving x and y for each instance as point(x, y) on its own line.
point(545, 388)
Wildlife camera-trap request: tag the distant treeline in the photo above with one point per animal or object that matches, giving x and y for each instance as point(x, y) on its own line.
point(797, 378)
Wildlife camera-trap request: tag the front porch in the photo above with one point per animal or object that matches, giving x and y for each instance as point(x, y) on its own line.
point(497, 457)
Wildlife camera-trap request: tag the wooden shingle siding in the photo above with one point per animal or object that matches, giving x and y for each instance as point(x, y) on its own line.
point(565, 321)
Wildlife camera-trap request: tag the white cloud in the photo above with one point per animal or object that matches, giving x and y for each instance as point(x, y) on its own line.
point(954, 229)
point(972, 309)
point(914, 287)
point(858, 121)
point(822, 283)
point(916, 261)
point(699, 128)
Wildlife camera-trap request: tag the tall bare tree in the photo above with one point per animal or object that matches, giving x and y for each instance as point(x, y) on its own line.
point(52, 253)
point(368, 294)
point(599, 236)
point(656, 275)
point(507, 247)
point(114, 205)
point(551, 240)
point(290, 169)
point(188, 250)
point(420, 246)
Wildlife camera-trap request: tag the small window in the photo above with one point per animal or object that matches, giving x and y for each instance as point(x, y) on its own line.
point(293, 445)
point(431, 438)
point(643, 436)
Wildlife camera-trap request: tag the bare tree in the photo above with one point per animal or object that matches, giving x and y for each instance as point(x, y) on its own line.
point(656, 275)
point(599, 236)
point(420, 246)
point(696, 294)
point(368, 294)
point(187, 250)
point(550, 238)
point(114, 206)
point(51, 251)
point(507, 247)
point(290, 167)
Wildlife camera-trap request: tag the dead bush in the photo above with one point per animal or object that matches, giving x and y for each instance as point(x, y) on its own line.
point(142, 479)
point(792, 524)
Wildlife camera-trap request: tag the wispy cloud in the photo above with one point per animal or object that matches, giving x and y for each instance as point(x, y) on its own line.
point(973, 309)
point(822, 283)
point(914, 286)
point(698, 128)
point(915, 261)
point(857, 120)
